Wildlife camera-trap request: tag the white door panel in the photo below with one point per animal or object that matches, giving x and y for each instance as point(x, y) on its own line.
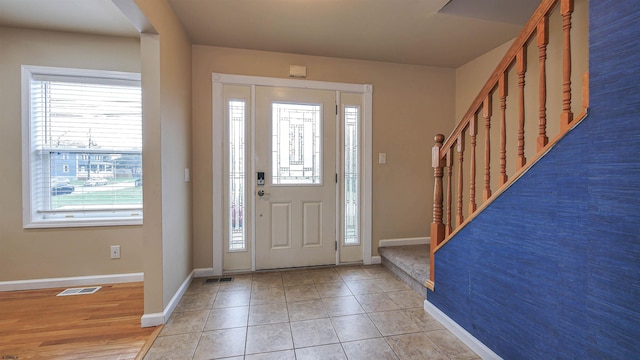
point(312, 224)
point(280, 226)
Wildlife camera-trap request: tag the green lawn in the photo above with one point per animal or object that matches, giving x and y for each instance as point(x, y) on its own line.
point(126, 196)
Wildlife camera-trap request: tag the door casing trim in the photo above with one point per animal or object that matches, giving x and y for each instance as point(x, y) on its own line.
point(218, 82)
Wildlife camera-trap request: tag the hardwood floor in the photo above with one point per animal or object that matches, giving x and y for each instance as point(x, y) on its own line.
point(36, 324)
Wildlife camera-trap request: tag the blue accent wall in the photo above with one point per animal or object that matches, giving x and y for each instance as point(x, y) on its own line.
point(551, 269)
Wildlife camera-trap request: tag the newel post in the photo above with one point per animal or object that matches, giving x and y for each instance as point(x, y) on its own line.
point(437, 226)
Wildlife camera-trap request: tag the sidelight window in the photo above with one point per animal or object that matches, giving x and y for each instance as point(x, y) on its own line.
point(237, 201)
point(351, 175)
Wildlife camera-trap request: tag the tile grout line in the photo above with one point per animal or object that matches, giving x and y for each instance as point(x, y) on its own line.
point(246, 330)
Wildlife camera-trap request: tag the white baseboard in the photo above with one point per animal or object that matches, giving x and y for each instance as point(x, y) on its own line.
point(155, 319)
point(474, 344)
point(376, 260)
point(404, 242)
point(204, 272)
point(35, 284)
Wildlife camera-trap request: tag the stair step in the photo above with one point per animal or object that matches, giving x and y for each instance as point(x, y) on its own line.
point(410, 263)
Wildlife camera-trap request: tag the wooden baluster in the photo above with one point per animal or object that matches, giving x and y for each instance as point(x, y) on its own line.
point(460, 149)
point(486, 112)
point(503, 92)
point(473, 132)
point(543, 40)
point(437, 227)
point(449, 162)
point(521, 60)
point(566, 8)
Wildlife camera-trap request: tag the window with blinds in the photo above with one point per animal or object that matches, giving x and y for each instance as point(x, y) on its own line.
point(82, 158)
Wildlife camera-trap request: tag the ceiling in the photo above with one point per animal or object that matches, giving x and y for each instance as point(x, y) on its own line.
point(445, 33)
point(85, 16)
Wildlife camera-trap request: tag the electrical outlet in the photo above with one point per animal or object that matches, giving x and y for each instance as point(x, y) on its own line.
point(115, 252)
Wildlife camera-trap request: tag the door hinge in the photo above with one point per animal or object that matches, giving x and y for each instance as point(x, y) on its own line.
point(336, 246)
point(336, 178)
point(336, 109)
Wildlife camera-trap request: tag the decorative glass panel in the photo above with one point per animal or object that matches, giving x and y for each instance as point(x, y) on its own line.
point(351, 180)
point(237, 231)
point(296, 144)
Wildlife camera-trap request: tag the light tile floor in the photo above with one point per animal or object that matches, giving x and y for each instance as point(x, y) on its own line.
point(352, 312)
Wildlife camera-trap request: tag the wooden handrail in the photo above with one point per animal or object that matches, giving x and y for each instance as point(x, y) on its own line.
point(535, 32)
point(543, 10)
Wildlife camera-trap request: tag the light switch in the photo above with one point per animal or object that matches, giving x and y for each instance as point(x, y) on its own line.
point(382, 158)
point(187, 175)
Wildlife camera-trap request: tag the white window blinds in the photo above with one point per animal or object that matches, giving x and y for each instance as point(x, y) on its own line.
point(85, 147)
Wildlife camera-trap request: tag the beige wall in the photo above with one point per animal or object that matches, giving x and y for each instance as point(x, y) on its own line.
point(410, 105)
point(471, 77)
point(48, 253)
point(166, 64)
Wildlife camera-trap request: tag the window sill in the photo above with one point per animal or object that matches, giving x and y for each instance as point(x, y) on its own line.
point(74, 223)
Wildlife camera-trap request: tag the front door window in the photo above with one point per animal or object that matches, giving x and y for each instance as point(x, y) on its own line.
point(296, 144)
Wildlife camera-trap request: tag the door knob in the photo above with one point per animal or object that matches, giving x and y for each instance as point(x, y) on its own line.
point(260, 192)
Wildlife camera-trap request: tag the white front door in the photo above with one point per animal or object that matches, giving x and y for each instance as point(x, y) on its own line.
point(295, 149)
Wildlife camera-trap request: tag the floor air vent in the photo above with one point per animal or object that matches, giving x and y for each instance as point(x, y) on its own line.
point(80, 291)
point(218, 280)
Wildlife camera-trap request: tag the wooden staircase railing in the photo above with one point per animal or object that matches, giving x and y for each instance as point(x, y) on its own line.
point(514, 63)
